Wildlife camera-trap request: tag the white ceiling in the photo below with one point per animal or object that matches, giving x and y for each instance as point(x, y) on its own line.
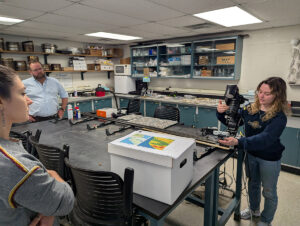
point(149, 19)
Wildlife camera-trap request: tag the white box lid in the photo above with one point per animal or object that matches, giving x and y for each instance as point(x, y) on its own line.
point(157, 148)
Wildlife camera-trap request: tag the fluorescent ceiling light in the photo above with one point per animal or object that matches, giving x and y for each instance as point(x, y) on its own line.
point(229, 17)
point(9, 21)
point(113, 36)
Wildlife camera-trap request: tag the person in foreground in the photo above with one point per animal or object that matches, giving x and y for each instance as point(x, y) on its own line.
point(29, 194)
point(43, 91)
point(264, 122)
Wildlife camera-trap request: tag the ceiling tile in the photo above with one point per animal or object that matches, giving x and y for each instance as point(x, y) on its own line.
point(73, 22)
point(140, 9)
point(182, 21)
point(39, 5)
point(194, 6)
point(87, 13)
point(158, 29)
point(54, 28)
point(273, 9)
point(19, 13)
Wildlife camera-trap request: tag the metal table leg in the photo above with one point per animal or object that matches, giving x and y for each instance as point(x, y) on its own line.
point(211, 199)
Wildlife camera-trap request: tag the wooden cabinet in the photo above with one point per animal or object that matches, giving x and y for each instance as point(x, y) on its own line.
point(187, 115)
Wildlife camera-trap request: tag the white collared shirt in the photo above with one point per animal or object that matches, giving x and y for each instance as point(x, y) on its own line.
point(44, 96)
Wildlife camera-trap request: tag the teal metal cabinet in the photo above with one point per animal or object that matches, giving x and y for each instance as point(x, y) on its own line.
point(218, 58)
point(142, 107)
point(144, 58)
point(187, 115)
point(168, 104)
point(85, 106)
point(290, 139)
point(150, 108)
point(206, 117)
point(175, 60)
point(124, 102)
point(102, 103)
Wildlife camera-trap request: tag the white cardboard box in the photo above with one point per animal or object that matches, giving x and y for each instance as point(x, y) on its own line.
point(162, 163)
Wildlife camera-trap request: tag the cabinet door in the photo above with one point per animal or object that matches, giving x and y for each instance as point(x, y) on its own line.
point(144, 61)
point(150, 108)
point(290, 139)
point(217, 58)
point(206, 118)
point(187, 115)
point(85, 106)
point(102, 103)
point(168, 104)
point(142, 107)
point(124, 102)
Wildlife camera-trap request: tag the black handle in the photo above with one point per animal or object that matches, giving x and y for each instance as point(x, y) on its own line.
point(183, 163)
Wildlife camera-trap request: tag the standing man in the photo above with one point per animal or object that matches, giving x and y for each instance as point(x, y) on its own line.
point(43, 91)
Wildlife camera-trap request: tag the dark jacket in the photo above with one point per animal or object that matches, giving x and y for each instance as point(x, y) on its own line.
point(262, 139)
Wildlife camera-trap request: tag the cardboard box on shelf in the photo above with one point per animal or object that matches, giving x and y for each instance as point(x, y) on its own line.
point(90, 66)
point(206, 73)
point(125, 60)
point(227, 46)
point(68, 69)
point(203, 60)
point(146, 71)
point(162, 163)
point(225, 59)
point(95, 52)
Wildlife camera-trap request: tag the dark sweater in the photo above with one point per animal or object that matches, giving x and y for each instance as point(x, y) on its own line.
point(262, 139)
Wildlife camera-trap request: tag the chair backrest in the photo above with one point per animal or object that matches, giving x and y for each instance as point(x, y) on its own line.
point(133, 106)
point(23, 137)
point(167, 112)
point(51, 157)
point(102, 198)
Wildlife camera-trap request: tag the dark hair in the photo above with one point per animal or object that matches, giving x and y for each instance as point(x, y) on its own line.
point(278, 89)
point(7, 76)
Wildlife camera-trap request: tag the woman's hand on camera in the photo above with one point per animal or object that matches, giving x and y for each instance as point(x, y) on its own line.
point(222, 107)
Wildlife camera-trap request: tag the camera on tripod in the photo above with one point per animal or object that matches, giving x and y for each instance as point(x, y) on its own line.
point(233, 100)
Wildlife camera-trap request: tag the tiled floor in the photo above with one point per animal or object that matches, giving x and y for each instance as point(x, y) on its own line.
point(288, 211)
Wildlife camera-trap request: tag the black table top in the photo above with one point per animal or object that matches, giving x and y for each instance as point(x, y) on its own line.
point(88, 149)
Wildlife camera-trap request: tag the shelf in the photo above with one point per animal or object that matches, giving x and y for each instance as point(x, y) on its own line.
point(212, 65)
point(178, 65)
point(231, 52)
point(146, 56)
point(52, 54)
point(214, 77)
point(144, 66)
point(69, 71)
point(176, 54)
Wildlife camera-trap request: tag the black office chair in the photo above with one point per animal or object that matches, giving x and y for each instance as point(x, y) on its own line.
point(52, 157)
point(133, 107)
point(23, 137)
point(102, 197)
point(167, 112)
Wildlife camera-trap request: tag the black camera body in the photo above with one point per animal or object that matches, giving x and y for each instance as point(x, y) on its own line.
point(233, 100)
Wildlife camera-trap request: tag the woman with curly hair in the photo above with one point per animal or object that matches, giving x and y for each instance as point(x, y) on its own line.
point(264, 121)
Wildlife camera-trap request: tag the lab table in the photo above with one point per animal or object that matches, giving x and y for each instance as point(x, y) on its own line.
point(89, 149)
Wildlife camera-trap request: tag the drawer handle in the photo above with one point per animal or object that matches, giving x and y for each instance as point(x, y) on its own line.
point(183, 163)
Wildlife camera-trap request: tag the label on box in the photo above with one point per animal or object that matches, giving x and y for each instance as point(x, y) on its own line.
point(142, 140)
